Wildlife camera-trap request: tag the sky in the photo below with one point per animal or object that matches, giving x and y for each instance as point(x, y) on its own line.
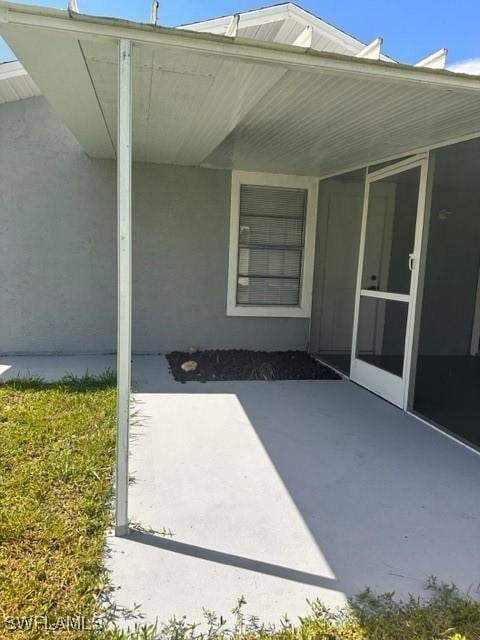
point(411, 29)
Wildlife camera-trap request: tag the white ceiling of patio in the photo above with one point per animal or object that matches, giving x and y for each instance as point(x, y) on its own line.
point(212, 101)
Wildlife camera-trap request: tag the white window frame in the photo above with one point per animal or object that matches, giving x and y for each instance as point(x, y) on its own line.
point(303, 309)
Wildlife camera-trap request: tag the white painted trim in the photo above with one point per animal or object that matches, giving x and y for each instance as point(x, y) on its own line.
point(411, 152)
point(385, 295)
point(383, 383)
point(253, 18)
point(393, 388)
point(305, 38)
point(416, 257)
point(232, 27)
point(303, 310)
point(73, 6)
point(318, 358)
point(78, 25)
point(276, 13)
point(421, 262)
point(333, 32)
point(398, 167)
point(154, 12)
point(436, 60)
point(371, 51)
point(443, 431)
point(358, 287)
point(13, 69)
point(124, 329)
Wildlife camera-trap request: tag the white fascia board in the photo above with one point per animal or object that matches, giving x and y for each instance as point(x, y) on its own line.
point(333, 32)
point(247, 19)
point(14, 69)
point(340, 36)
point(276, 13)
point(218, 25)
point(80, 25)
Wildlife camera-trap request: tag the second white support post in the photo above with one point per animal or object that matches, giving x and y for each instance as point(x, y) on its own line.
point(124, 257)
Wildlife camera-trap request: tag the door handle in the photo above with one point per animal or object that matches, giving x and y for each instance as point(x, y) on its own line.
point(411, 261)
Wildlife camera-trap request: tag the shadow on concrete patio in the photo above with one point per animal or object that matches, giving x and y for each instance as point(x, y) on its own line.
point(318, 478)
point(230, 559)
point(283, 491)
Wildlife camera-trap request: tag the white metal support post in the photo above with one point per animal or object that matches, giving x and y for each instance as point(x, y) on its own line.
point(124, 257)
point(421, 268)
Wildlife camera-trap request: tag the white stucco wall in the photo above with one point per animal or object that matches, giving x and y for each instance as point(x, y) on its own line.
point(58, 250)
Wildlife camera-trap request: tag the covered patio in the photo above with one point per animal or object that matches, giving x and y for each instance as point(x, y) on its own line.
point(356, 493)
point(277, 491)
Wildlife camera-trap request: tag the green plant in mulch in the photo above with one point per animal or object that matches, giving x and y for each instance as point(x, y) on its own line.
point(57, 445)
point(445, 615)
point(263, 371)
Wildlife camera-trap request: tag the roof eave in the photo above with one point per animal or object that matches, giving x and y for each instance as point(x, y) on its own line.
point(276, 53)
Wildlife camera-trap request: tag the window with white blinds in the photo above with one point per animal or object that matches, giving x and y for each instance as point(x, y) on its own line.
point(271, 244)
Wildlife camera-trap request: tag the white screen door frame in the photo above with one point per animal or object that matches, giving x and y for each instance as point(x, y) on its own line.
point(394, 388)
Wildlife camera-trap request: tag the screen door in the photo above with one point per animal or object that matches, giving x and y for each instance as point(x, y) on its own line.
point(388, 278)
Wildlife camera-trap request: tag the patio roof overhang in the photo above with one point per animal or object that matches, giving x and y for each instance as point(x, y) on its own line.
point(215, 101)
point(199, 99)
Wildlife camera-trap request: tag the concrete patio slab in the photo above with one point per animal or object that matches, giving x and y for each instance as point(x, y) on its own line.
point(283, 491)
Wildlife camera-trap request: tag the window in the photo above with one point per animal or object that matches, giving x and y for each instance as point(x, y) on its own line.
point(272, 229)
point(270, 245)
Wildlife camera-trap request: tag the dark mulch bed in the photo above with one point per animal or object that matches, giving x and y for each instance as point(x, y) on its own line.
point(243, 364)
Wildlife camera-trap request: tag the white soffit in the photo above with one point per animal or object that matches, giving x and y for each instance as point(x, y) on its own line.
point(54, 60)
point(15, 83)
point(227, 103)
point(337, 122)
point(185, 104)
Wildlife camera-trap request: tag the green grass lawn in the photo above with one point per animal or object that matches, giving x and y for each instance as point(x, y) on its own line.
point(57, 451)
point(57, 446)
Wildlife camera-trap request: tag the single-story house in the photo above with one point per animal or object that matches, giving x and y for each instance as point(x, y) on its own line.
point(272, 183)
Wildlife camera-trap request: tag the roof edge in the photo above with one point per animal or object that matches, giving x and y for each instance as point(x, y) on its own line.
point(12, 69)
point(267, 52)
point(279, 11)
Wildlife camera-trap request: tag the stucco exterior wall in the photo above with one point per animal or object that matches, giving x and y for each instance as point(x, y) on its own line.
point(58, 250)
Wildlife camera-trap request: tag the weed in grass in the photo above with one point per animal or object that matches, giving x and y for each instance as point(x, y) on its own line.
point(446, 615)
point(57, 445)
point(144, 528)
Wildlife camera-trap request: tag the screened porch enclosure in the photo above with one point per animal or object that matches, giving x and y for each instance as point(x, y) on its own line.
point(445, 367)
point(447, 389)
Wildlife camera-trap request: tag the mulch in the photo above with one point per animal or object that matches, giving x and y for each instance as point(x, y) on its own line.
point(244, 364)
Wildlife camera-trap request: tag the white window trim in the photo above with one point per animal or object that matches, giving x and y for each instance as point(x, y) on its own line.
point(303, 310)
